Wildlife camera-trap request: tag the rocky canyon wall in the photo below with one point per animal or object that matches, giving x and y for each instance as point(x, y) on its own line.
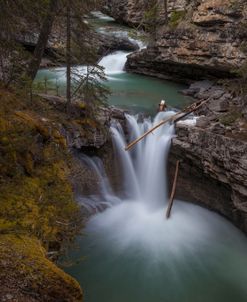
point(205, 40)
point(213, 153)
point(213, 171)
point(133, 12)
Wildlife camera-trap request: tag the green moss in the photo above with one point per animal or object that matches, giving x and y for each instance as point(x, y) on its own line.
point(176, 17)
point(243, 46)
point(24, 259)
point(35, 193)
point(34, 123)
point(36, 198)
point(233, 4)
point(87, 122)
point(230, 118)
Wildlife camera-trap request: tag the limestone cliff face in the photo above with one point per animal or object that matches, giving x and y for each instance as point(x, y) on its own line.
point(213, 154)
point(133, 12)
point(207, 40)
point(213, 171)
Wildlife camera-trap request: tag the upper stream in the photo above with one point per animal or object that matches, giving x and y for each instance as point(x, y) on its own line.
point(130, 252)
point(130, 91)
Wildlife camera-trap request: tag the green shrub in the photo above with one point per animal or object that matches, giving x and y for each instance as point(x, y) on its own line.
point(176, 17)
point(230, 118)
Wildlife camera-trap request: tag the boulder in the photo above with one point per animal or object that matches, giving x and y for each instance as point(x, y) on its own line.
point(110, 43)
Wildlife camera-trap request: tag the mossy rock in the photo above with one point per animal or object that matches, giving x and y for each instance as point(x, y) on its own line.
point(35, 191)
point(230, 118)
point(176, 17)
point(38, 212)
point(27, 275)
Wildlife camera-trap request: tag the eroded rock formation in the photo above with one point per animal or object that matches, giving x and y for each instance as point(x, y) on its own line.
point(213, 154)
point(133, 12)
point(213, 171)
point(207, 40)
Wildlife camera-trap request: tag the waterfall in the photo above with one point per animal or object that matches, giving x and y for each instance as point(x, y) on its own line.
point(130, 182)
point(114, 63)
point(133, 253)
point(140, 248)
point(146, 168)
point(143, 168)
point(106, 197)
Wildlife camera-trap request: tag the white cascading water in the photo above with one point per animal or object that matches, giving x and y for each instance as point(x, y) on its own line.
point(135, 218)
point(106, 197)
point(144, 166)
point(114, 63)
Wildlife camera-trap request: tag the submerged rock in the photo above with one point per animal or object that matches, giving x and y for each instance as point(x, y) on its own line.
point(110, 43)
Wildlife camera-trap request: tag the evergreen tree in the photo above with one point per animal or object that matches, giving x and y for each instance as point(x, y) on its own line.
point(16, 18)
point(45, 31)
point(19, 66)
point(87, 81)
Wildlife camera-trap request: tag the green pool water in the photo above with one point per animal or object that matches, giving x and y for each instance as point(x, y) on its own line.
point(195, 257)
point(135, 92)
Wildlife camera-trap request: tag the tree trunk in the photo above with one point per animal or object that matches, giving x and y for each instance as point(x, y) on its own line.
point(170, 204)
point(43, 39)
point(166, 10)
point(68, 54)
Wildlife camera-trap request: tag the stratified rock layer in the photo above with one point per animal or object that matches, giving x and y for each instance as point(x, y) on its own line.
point(207, 41)
point(213, 154)
point(134, 12)
point(213, 171)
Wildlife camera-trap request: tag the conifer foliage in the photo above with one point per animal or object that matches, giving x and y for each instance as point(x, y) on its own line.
point(85, 81)
point(37, 18)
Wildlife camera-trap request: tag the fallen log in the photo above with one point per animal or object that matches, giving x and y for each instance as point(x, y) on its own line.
point(175, 118)
point(151, 130)
point(170, 204)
